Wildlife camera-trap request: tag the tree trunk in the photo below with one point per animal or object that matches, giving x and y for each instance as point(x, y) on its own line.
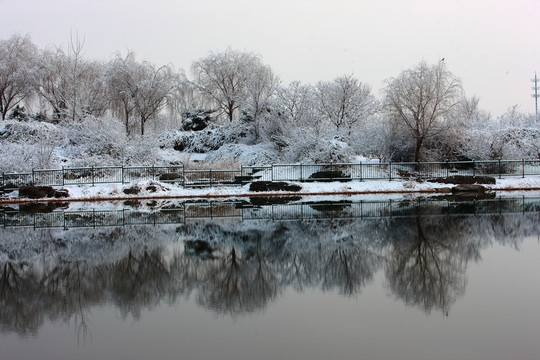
point(127, 125)
point(126, 119)
point(230, 111)
point(419, 142)
point(3, 108)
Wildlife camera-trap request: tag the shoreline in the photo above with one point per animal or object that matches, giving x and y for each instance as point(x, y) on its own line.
point(178, 193)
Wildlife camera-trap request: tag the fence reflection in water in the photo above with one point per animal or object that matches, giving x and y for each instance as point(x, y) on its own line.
point(243, 211)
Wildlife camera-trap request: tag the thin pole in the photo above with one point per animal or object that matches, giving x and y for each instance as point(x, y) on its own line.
point(535, 95)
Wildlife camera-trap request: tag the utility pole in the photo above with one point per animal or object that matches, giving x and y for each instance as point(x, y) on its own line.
point(535, 95)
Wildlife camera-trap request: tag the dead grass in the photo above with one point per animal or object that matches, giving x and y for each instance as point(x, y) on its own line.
point(221, 165)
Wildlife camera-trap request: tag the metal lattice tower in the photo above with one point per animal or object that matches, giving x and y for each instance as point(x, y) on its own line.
point(535, 95)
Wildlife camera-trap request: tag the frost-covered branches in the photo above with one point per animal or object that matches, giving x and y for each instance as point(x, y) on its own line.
point(152, 91)
point(261, 86)
point(234, 80)
point(295, 103)
point(121, 82)
point(17, 71)
point(139, 89)
point(345, 101)
point(424, 114)
point(72, 86)
point(421, 99)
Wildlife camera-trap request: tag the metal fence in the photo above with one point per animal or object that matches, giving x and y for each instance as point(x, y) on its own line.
point(202, 211)
point(392, 171)
point(392, 209)
point(277, 172)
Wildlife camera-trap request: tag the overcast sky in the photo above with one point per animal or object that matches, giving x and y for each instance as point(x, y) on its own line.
point(492, 45)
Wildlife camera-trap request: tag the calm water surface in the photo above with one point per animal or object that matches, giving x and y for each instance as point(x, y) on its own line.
point(418, 287)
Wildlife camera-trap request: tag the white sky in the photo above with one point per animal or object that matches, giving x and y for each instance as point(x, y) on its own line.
point(492, 45)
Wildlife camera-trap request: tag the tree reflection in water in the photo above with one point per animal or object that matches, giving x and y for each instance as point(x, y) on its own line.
point(425, 268)
point(58, 275)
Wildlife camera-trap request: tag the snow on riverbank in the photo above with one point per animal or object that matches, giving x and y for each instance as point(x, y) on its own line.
point(153, 189)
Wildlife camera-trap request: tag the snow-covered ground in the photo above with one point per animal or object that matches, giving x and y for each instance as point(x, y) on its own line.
point(153, 189)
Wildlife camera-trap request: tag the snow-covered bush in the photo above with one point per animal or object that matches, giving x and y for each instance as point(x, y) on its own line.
point(142, 151)
point(309, 148)
point(31, 132)
point(196, 119)
point(20, 158)
point(18, 113)
point(259, 154)
point(370, 140)
point(28, 145)
point(212, 138)
point(511, 143)
point(93, 141)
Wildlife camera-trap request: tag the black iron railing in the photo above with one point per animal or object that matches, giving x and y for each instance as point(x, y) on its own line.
point(242, 211)
point(278, 172)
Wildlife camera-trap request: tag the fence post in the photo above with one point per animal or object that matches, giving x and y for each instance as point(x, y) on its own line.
point(153, 173)
point(93, 177)
point(63, 180)
point(183, 177)
point(390, 170)
point(523, 167)
point(272, 173)
point(474, 168)
point(500, 169)
point(210, 177)
point(33, 178)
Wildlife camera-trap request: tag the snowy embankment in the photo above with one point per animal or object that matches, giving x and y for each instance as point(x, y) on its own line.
point(157, 190)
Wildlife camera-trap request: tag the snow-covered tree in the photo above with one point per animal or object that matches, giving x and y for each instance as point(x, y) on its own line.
point(231, 79)
point(512, 117)
point(52, 83)
point(185, 98)
point(469, 114)
point(345, 102)
point(152, 91)
point(295, 103)
point(260, 86)
point(513, 135)
point(72, 86)
point(422, 99)
point(17, 71)
point(139, 88)
point(464, 140)
point(121, 83)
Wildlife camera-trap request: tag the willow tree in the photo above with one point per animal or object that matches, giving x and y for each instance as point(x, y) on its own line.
point(234, 80)
point(139, 89)
point(17, 56)
point(422, 99)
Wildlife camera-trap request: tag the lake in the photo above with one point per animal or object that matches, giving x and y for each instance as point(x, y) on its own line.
point(398, 278)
